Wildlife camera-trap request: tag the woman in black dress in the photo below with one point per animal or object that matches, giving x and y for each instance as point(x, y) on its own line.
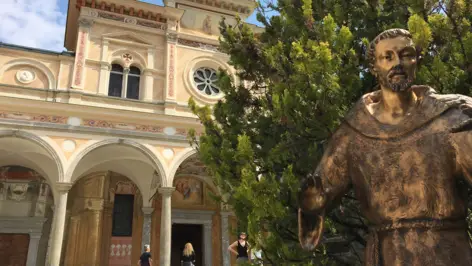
point(188, 255)
point(241, 249)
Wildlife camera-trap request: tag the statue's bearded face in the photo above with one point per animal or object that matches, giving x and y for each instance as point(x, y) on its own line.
point(395, 63)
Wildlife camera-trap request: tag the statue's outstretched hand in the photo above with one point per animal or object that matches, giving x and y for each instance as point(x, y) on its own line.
point(311, 212)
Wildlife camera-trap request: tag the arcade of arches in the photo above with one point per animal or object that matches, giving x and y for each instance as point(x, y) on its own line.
point(116, 200)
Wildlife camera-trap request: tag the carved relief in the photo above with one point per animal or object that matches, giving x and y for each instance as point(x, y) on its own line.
point(207, 25)
point(127, 58)
point(131, 21)
point(18, 191)
point(25, 76)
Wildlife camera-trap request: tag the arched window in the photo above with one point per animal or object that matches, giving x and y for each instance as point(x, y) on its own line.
point(132, 88)
point(115, 86)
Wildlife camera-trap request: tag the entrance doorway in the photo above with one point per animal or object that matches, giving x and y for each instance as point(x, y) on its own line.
point(182, 234)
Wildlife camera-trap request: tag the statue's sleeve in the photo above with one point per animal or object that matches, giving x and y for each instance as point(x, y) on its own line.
point(323, 188)
point(461, 137)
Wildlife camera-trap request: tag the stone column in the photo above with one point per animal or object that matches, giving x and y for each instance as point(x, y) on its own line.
point(146, 240)
point(225, 238)
point(33, 249)
point(148, 86)
point(124, 89)
point(207, 257)
point(166, 226)
point(59, 221)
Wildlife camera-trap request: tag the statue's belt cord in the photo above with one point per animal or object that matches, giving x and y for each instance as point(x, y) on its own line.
point(429, 224)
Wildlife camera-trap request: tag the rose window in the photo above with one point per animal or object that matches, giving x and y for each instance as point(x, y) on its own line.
point(205, 79)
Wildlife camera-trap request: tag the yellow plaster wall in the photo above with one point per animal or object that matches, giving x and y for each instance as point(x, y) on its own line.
point(158, 90)
point(78, 143)
point(94, 49)
point(91, 79)
point(65, 76)
point(51, 62)
point(184, 57)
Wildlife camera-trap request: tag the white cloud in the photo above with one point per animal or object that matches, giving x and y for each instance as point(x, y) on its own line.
point(32, 23)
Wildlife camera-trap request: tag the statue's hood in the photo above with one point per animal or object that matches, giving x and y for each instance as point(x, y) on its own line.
point(430, 106)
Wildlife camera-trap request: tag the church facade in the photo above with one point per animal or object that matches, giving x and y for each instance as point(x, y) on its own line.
point(95, 161)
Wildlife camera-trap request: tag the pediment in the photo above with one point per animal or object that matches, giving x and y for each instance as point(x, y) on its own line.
point(127, 36)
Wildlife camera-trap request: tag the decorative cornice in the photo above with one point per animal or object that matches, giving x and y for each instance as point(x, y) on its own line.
point(197, 44)
point(121, 10)
point(119, 17)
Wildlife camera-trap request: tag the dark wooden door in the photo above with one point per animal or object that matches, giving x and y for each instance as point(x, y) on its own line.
point(14, 249)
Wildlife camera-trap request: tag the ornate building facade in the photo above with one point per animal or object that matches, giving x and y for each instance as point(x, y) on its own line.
point(94, 159)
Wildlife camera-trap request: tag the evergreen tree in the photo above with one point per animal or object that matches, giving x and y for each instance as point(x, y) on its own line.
point(294, 83)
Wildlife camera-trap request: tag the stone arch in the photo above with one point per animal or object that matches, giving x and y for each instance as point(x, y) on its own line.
point(36, 64)
point(58, 162)
point(178, 160)
point(148, 153)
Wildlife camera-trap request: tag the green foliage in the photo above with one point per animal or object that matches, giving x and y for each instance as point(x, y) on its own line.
point(294, 83)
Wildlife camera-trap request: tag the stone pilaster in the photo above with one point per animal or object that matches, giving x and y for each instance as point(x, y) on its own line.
point(146, 240)
point(33, 249)
point(225, 238)
point(166, 226)
point(78, 77)
point(171, 66)
point(207, 260)
point(59, 221)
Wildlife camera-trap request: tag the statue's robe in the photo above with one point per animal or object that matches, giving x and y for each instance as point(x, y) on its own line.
point(411, 180)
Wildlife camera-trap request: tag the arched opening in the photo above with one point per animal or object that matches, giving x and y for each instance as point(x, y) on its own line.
point(115, 85)
point(113, 181)
point(132, 88)
point(105, 221)
point(28, 168)
point(26, 214)
point(195, 214)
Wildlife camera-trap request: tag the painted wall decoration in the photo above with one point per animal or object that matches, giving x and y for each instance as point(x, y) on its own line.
point(188, 191)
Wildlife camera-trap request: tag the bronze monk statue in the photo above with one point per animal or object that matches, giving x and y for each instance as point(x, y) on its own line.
point(407, 153)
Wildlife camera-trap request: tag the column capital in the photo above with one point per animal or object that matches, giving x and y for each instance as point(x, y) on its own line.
point(225, 214)
point(35, 235)
point(172, 37)
point(166, 191)
point(148, 210)
point(63, 187)
point(86, 23)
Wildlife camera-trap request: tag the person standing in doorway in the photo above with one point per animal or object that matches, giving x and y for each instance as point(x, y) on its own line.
point(188, 255)
point(145, 259)
point(241, 249)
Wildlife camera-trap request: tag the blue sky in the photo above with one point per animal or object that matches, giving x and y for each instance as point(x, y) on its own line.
point(41, 23)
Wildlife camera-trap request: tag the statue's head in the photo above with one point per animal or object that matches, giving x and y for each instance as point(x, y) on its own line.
point(393, 59)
